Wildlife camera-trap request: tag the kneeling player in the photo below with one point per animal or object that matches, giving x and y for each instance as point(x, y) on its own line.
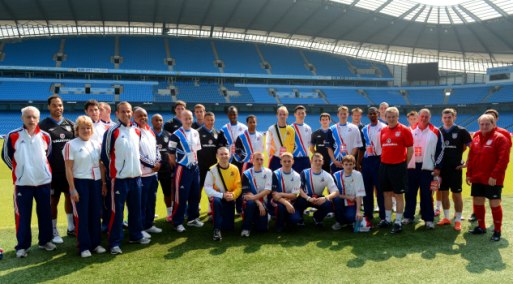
point(286, 187)
point(256, 185)
point(313, 183)
point(351, 191)
point(222, 186)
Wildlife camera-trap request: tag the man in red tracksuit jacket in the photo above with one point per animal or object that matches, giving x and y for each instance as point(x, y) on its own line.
point(487, 162)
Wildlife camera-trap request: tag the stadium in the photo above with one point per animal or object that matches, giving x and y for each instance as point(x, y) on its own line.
point(259, 55)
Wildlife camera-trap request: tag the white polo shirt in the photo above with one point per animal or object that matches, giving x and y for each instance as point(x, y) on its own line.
point(85, 156)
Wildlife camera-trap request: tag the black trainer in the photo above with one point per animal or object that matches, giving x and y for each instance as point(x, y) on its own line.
point(496, 236)
point(70, 233)
point(477, 231)
point(472, 218)
point(396, 228)
point(217, 235)
point(383, 224)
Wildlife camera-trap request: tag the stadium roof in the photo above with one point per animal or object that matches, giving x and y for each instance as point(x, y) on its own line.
point(469, 32)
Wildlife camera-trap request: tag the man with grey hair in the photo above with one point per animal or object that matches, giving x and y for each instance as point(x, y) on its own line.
point(424, 169)
point(25, 152)
point(396, 152)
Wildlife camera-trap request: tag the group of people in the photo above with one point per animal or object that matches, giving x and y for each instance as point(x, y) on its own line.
point(101, 167)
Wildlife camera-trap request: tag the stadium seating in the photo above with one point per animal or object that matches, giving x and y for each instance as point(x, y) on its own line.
point(89, 52)
point(504, 94)
point(142, 53)
point(284, 61)
point(392, 97)
point(261, 95)
point(24, 91)
point(345, 96)
point(202, 92)
point(137, 93)
point(431, 96)
point(328, 65)
point(244, 96)
point(24, 54)
point(468, 95)
point(239, 57)
point(192, 55)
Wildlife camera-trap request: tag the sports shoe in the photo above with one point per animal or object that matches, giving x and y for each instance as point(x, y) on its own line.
point(496, 236)
point(49, 246)
point(217, 235)
point(477, 231)
point(383, 224)
point(330, 215)
point(180, 228)
point(116, 250)
point(457, 226)
point(169, 219)
point(21, 253)
point(57, 240)
point(472, 218)
point(195, 223)
point(245, 233)
point(99, 249)
point(437, 212)
point(317, 223)
point(396, 228)
point(444, 221)
point(406, 221)
point(336, 226)
point(376, 209)
point(1, 253)
point(142, 241)
point(153, 230)
point(300, 223)
point(145, 235)
point(125, 224)
point(156, 216)
point(71, 233)
point(430, 225)
point(85, 253)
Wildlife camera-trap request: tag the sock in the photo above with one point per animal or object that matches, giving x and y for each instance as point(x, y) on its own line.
point(71, 224)
point(446, 213)
point(438, 205)
point(457, 217)
point(480, 211)
point(398, 217)
point(497, 218)
point(169, 211)
point(388, 215)
point(54, 226)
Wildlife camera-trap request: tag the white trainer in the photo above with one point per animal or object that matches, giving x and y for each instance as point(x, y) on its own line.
point(245, 233)
point(145, 235)
point(99, 249)
point(430, 225)
point(142, 241)
point(154, 230)
point(116, 250)
point(57, 240)
point(21, 253)
point(49, 246)
point(195, 223)
point(86, 253)
point(180, 228)
point(336, 226)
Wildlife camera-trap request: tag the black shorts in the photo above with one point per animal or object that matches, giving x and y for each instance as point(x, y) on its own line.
point(393, 178)
point(166, 183)
point(59, 184)
point(484, 190)
point(451, 179)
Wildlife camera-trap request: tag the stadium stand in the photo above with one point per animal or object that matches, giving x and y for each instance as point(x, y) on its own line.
point(284, 61)
point(239, 57)
point(192, 55)
point(393, 97)
point(24, 91)
point(328, 65)
point(347, 96)
point(429, 96)
point(204, 92)
point(24, 54)
point(504, 94)
point(261, 95)
point(238, 94)
point(470, 94)
point(89, 52)
point(142, 53)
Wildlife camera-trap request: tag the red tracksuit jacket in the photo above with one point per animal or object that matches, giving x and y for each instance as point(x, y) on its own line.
point(488, 157)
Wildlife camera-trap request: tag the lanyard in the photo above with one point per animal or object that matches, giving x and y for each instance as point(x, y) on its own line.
point(232, 135)
point(279, 134)
point(283, 182)
point(254, 180)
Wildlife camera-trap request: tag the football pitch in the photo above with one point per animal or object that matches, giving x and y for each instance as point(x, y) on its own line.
point(307, 255)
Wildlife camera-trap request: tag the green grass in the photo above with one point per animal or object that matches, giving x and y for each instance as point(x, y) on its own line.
point(305, 255)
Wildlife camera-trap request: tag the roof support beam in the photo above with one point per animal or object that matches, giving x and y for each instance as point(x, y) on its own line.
point(73, 13)
point(205, 15)
point(307, 19)
point(232, 13)
point(257, 15)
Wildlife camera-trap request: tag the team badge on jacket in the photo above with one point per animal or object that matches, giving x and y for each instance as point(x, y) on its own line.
point(454, 135)
point(397, 133)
